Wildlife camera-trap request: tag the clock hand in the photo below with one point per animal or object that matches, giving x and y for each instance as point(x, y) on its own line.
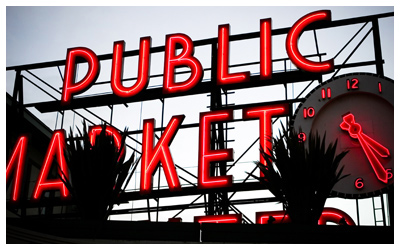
point(381, 150)
point(376, 165)
point(367, 143)
point(348, 120)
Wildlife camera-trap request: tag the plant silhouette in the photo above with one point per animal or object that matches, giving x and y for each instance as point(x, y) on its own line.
point(97, 173)
point(301, 176)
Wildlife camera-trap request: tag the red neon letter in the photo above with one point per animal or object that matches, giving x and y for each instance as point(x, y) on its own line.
point(265, 114)
point(291, 43)
point(272, 217)
point(225, 218)
point(223, 76)
point(265, 49)
point(151, 155)
point(206, 155)
point(96, 130)
point(335, 215)
point(56, 148)
point(328, 214)
point(184, 59)
point(69, 86)
point(143, 70)
point(17, 161)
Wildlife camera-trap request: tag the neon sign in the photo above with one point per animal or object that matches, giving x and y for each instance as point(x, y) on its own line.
point(186, 58)
point(328, 214)
point(160, 153)
point(56, 149)
point(265, 49)
point(224, 218)
point(16, 163)
point(223, 76)
point(152, 153)
point(70, 88)
point(206, 155)
point(156, 152)
point(143, 70)
point(292, 39)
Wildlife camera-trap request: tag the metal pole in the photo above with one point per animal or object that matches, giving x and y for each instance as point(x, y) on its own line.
point(383, 211)
point(62, 119)
point(148, 210)
point(111, 115)
point(358, 213)
point(377, 47)
point(159, 165)
point(391, 205)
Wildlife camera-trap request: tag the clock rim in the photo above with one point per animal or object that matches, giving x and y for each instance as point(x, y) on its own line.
point(291, 126)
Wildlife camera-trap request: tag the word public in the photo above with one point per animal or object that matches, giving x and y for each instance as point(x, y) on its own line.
point(155, 153)
point(186, 59)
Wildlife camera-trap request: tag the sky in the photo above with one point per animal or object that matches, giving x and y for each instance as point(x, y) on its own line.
point(44, 33)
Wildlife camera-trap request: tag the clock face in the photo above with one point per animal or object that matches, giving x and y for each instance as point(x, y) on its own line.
point(356, 109)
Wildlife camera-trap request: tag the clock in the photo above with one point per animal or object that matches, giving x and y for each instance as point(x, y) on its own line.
point(357, 110)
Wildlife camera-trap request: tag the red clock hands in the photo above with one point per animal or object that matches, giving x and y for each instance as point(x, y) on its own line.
point(367, 144)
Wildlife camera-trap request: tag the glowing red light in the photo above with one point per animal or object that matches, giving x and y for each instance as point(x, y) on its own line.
point(292, 47)
point(353, 84)
point(111, 131)
point(55, 149)
point(367, 144)
point(336, 216)
point(143, 68)
point(223, 75)
point(359, 183)
point(389, 173)
point(206, 155)
point(326, 93)
point(71, 88)
point(302, 137)
point(265, 114)
point(308, 112)
point(16, 165)
point(328, 214)
point(151, 156)
point(272, 217)
point(225, 218)
point(185, 58)
point(265, 49)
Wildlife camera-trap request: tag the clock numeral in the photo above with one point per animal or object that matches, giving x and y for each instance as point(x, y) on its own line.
point(359, 183)
point(380, 87)
point(352, 84)
point(302, 137)
point(389, 173)
point(308, 112)
point(326, 93)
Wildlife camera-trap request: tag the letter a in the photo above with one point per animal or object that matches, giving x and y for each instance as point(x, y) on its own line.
point(56, 149)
